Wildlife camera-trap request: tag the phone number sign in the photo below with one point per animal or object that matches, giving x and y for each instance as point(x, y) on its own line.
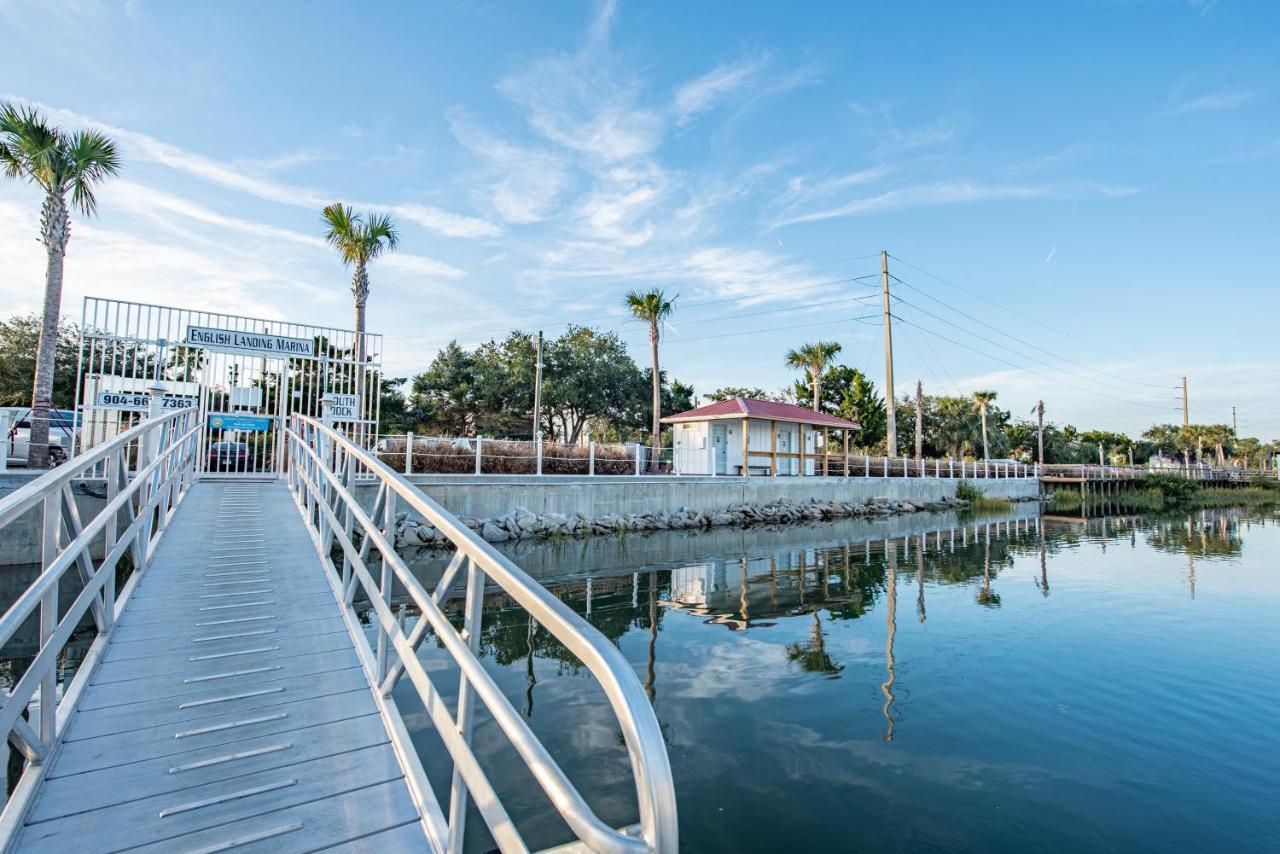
point(139, 401)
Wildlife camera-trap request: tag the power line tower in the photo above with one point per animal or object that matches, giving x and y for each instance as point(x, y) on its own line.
point(890, 405)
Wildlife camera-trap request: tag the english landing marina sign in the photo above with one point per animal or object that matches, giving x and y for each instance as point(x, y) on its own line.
point(249, 343)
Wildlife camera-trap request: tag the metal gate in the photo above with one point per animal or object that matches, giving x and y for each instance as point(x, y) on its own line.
point(247, 376)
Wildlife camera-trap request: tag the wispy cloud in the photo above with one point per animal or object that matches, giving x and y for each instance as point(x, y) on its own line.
point(944, 193)
point(703, 93)
point(522, 184)
point(144, 147)
point(1214, 101)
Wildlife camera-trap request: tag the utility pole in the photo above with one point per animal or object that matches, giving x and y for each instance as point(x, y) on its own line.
point(1040, 429)
point(1235, 430)
point(919, 421)
point(1186, 422)
point(537, 394)
point(890, 406)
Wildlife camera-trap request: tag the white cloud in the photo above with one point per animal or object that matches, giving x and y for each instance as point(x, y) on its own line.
point(144, 147)
point(1215, 101)
point(524, 184)
point(705, 92)
point(442, 221)
point(945, 193)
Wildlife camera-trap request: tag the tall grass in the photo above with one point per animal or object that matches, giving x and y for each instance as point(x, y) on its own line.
point(978, 499)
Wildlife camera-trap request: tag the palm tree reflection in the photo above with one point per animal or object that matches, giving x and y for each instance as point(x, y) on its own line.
point(812, 657)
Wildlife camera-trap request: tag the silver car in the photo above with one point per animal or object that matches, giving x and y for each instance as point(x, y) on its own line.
point(17, 439)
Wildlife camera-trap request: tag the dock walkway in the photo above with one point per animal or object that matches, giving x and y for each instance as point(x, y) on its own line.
point(230, 710)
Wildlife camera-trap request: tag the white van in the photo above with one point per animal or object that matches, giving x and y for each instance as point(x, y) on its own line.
point(17, 440)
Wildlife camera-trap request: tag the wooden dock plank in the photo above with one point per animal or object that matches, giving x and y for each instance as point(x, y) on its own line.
point(230, 708)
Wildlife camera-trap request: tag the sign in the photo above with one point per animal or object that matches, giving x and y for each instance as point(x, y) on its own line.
point(249, 343)
point(341, 407)
point(140, 401)
point(252, 423)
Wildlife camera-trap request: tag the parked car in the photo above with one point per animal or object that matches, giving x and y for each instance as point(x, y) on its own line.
point(62, 426)
point(232, 456)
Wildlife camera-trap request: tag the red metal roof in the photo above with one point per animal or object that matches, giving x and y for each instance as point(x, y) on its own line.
point(740, 407)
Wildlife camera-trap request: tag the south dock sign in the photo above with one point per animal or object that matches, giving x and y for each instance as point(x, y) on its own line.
point(249, 343)
point(341, 407)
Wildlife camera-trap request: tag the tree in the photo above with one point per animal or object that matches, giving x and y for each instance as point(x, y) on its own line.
point(849, 394)
point(359, 239)
point(982, 402)
point(653, 308)
point(732, 391)
point(19, 343)
point(60, 163)
point(814, 358)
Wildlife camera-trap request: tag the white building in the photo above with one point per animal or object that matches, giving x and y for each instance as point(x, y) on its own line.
point(776, 439)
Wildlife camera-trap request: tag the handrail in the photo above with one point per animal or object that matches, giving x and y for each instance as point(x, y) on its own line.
point(162, 449)
point(323, 469)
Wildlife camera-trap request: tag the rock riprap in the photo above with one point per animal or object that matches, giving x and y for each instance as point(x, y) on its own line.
point(521, 523)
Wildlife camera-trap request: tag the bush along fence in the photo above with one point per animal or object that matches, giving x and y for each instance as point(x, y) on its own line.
point(412, 454)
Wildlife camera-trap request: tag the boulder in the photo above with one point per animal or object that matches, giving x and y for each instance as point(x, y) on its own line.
point(494, 533)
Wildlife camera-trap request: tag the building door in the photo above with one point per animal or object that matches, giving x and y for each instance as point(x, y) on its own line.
point(720, 448)
point(786, 465)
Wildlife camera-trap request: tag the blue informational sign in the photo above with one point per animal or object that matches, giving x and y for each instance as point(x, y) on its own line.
point(256, 423)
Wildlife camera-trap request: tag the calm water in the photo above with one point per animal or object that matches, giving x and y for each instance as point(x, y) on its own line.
point(917, 684)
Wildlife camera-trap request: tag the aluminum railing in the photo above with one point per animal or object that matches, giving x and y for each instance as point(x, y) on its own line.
point(1201, 472)
point(324, 467)
point(147, 472)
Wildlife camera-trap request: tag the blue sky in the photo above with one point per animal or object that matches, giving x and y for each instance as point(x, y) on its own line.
point(1091, 187)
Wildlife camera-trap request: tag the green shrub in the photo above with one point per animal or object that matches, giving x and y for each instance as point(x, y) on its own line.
point(966, 491)
point(1173, 488)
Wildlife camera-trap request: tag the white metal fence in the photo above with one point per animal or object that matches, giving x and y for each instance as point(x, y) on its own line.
point(147, 471)
point(323, 469)
point(416, 454)
point(244, 391)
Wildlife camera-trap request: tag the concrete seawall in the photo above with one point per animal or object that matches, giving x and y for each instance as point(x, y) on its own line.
point(491, 496)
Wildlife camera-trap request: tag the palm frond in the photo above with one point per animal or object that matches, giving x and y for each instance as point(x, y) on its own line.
point(34, 147)
point(90, 159)
point(652, 306)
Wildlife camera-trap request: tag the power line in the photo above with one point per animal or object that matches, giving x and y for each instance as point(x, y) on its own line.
point(1017, 313)
point(857, 319)
point(1028, 370)
point(1023, 341)
point(1017, 352)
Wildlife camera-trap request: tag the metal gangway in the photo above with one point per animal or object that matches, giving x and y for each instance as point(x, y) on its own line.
point(232, 699)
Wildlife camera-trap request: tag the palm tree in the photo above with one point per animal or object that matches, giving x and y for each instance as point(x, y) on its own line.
point(653, 308)
point(359, 238)
point(982, 401)
point(814, 358)
point(60, 163)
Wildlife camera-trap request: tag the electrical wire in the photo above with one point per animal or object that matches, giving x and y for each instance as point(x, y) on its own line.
point(1016, 313)
point(1028, 370)
point(1019, 353)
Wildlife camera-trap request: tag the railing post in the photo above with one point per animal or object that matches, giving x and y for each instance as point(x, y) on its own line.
point(591, 457)
point(479, 453)
point(408, 453)
point(538, 453)
point(951, 468)
point(385, 583)
point(885, 472)
point(866, 462)
point(4, 441)
point(473, 616)
point(638, 460)
point(50, 524)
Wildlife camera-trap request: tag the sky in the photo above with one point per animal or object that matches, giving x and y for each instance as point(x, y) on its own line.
point(1079, 199)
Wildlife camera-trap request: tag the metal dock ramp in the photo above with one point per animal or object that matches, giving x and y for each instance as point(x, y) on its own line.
point(230, 707)
point(237, 695)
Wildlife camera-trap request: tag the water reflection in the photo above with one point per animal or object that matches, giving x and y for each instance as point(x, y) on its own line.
point(790, 689)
